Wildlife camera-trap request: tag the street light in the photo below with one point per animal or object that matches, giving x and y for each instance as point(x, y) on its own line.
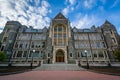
point(32, 59)
point(10, 53)
point(87, 59)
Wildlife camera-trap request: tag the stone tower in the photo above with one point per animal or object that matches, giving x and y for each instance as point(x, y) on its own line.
point(111, 38)
point(60, 34)
point(8, 36)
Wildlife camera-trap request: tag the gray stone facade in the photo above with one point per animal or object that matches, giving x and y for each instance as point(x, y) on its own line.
point(59, 42)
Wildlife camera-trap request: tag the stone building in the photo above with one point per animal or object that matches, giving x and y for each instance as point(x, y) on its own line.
point(60, 42)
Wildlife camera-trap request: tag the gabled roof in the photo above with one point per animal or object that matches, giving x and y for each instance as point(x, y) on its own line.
point(107, 22)
point(59, 16)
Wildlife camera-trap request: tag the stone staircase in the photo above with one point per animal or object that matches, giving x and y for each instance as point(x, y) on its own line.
point(54, 67)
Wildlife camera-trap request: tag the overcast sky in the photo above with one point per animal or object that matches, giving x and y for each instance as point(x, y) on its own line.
point(81, 13)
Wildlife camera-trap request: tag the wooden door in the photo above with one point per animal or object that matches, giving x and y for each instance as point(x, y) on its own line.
point(60, 57)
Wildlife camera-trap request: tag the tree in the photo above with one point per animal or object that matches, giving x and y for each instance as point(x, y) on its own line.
point(117, 54)
point(0, 44)
point(2, 56)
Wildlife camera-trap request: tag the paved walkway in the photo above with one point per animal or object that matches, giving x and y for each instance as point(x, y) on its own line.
point(59, 75)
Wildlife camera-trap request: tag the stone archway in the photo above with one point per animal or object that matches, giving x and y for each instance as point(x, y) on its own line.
point(60, 57)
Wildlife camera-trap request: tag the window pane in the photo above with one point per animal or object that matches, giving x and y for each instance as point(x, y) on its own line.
point(36, 54)
point(60, 28)
point(25, 54)
point(19, 54)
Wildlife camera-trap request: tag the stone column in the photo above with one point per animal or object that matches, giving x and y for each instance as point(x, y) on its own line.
point(66, 56)
point(53, 56)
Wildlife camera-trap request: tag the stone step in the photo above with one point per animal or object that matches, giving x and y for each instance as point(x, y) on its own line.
point(68, 67)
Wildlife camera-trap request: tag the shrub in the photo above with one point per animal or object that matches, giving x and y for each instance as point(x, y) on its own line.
point(117, 54)
point(2, 56)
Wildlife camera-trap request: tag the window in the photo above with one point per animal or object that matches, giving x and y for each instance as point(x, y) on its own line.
point(32, 46)
point(100, 54)
point(19, 54)
point(110, 31)
point(25, 54)
point(64, 35)
point(55, 29)
point(21, 45)
point(59, 35)
point(41, 54)
point(60, 28)
point(2, 48)
point(5, 39)
point(78, 54)
point(103, 44)
point(30, 54)
point(26, 45)
point(55, 35)
point(36, 54)
point(81, 45)
point(76, 45)
point(14, 55)
point(43, 44)
point(37, 44)
point(64, 30)
point(113, 40)
point(92, 44)
point(48, 54)
point(98, 44)
point(95, 55)
point(16, 45)
point(83, 54)
point(70, 54)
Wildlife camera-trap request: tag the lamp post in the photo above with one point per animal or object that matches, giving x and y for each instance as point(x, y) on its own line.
point(87, 59)
point(10, 53)
point(32, 59)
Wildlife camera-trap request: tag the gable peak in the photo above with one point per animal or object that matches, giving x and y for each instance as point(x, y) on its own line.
point(60, 16)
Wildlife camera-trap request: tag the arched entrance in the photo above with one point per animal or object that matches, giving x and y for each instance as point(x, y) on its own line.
point(60, 56)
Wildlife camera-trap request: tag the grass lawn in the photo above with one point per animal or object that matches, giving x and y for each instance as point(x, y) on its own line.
point(13, 69)
point(109, 70)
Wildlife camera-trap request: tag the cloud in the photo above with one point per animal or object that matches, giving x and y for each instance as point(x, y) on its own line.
point(86, 21)
point(69, 7)
point(103, 1)
point(27, 12)
point(1, 30)
point(66, 10)
point(89, 3)
point(72, 2)
point(115, 3)
point(119, 31)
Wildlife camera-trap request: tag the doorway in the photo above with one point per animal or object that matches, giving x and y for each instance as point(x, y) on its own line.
point(60, 56)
